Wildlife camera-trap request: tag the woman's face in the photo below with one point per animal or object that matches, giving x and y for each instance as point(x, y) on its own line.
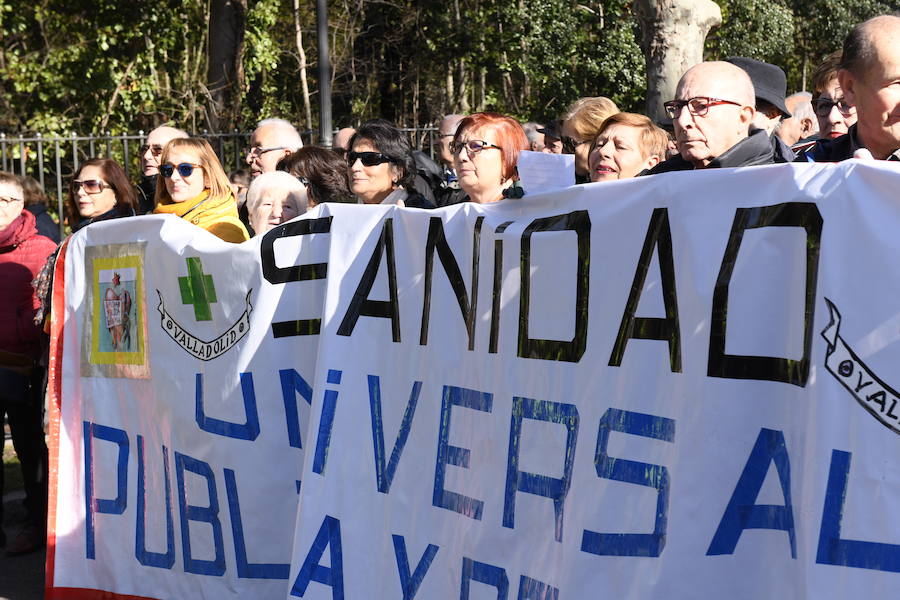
point(582, 148)
point(480, 173)
point(371, 184)
point(93, 205)
point(275, 206)
point(832, 122)
point(183, 188)
point(618, 154)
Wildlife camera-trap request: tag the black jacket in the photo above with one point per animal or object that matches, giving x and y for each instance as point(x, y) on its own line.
point(837, 149)
point(114, 213)
point(755, 149)
point(46, 226)
point(146, 194)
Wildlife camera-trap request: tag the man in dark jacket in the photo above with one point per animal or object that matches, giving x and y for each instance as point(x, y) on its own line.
point(22, 254)
point(712, 114)
point(149, 154)
point(869, 77)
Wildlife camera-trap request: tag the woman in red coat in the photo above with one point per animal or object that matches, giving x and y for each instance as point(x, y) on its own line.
point(22, 254)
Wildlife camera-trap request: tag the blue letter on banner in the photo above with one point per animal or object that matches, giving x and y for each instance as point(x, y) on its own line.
point(630, 471)
point(247, 431)
point(411, 582)
point(97, 505)
point(473, 570)
point(326, 422)
point(292, 383)
point(742, 512)
point(247, 570)
point(848, 553)
point(454, 455)
point(202, 514)
point(385, 475)
point(333, 576)
point(532, 483)
point(163, 560)
point(532, 589)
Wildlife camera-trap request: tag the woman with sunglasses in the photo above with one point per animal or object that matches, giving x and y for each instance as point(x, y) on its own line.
point(99, 191)
point(381, 166)
point(193, 186)
point(485, 152)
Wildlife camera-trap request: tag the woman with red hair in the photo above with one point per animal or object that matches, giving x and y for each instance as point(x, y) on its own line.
point(485, 152)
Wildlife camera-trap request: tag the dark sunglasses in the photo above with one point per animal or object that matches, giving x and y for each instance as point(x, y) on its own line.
point(91, 186)
point(184, 169)
point(156, 149)
point(368, 159)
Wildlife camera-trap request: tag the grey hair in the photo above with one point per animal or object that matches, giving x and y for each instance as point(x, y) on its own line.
point(273, 179)
point(291, 136)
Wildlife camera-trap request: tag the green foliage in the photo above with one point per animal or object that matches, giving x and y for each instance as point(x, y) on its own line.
point(126, 65)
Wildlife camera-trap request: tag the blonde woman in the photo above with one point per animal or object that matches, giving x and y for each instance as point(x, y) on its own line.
point(193, 186)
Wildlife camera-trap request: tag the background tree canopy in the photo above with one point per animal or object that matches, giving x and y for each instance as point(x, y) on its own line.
point(74, 65)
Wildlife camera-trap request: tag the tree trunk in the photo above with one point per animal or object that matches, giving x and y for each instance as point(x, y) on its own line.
point(304, 85)
point(673, 35)
point(224, 67)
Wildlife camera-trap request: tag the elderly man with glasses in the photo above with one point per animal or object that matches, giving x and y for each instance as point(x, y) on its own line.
point(712, 115)
point(150, 152)
point(271, 141)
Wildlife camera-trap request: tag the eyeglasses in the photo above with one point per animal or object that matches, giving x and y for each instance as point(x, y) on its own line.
point(91, 186)
point(156, 149)
point(824, 106)
point(184, 169)
point(698, 105)
point(302, 179)
point(342, 152)
point(257, 151)
point(472, 146)
point(368, 159)
point(4, 202)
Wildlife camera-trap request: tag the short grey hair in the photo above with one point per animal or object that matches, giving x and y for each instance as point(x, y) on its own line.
point(286, 131)
point(274, 179)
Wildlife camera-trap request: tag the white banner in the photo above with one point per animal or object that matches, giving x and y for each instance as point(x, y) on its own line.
point(672, 387)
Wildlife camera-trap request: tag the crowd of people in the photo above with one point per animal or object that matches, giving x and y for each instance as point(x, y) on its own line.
point(731, 113)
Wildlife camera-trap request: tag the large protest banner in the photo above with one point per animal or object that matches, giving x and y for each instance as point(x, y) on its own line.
point(673, 387)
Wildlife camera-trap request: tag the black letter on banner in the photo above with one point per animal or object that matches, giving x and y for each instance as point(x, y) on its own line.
point(437, 239)
point(653, 328)
point(360, 305)
point(768, 368)
point(276, 274)
point(580, 223)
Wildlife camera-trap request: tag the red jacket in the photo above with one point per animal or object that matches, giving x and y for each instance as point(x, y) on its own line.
point(22, 254)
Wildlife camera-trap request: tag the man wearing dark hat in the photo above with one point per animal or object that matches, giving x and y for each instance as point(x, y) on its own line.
point(552, 138)
point(770, 85)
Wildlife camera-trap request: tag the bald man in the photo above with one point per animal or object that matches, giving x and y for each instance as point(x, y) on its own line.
point(341, 141)
point(150, 152)
point(712, 114)
point(869, 77)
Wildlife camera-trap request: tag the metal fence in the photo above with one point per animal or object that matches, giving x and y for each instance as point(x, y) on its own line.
point(53, 160)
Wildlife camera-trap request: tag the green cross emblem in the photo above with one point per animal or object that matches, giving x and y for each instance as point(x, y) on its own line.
point(197, 289)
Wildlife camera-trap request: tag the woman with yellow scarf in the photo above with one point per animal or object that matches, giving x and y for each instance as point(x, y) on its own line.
point(197, 189)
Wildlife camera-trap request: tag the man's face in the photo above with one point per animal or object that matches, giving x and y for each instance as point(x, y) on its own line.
point(445, 136)
point(876, 95)
point(266, 149)
point(552, 145)
point(701, 138)
point(341, 141)
point(152, 149)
